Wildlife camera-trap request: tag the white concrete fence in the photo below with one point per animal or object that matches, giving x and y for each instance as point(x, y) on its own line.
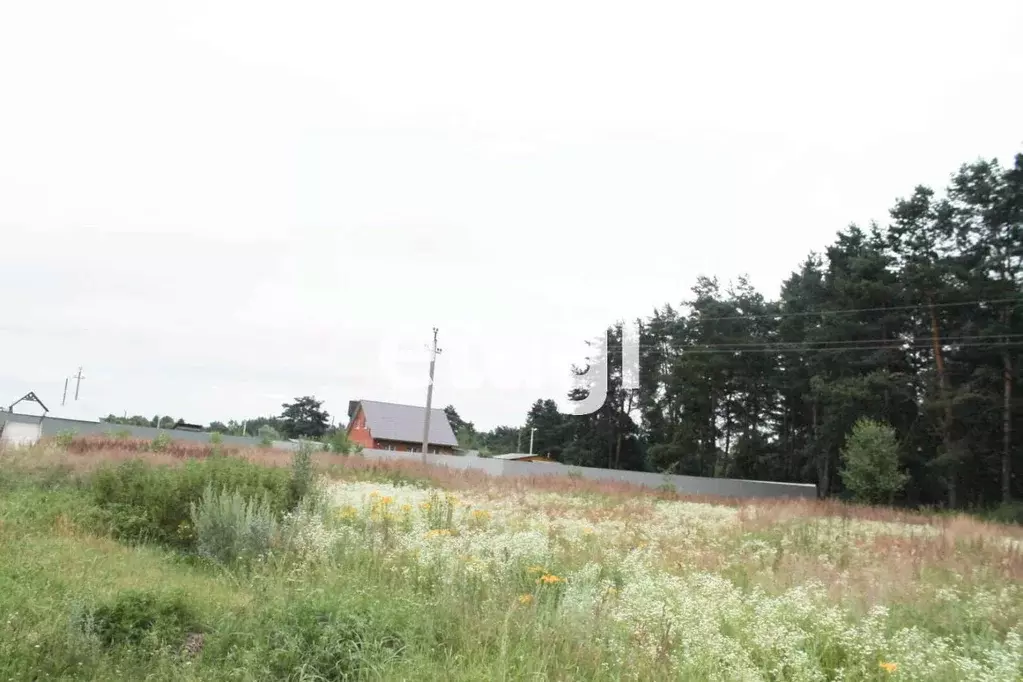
point(686, 485)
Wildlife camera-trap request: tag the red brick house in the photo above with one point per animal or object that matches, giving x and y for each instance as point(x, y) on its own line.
point(388, 426)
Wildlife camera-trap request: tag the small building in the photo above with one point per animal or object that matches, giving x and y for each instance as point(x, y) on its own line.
point(378, 425)
point(525, 457)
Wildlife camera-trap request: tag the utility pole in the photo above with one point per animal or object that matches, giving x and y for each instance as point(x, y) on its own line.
point(64, 399)
point(531, 432)
point(429, 395)
point(78, 383)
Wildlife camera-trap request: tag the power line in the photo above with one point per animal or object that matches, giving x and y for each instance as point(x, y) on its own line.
point(849, 311)
point(901, 347)
point(904, 346)
point(952, 340)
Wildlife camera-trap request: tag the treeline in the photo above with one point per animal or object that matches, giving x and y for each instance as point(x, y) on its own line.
point(303, 418)
point(917, 325)
point(257, 426)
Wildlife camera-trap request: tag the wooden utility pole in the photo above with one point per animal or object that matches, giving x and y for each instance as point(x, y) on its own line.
point(78, 382)
point(946, 398)
point(429, 395)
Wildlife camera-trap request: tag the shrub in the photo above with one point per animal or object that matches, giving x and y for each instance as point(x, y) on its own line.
point(871, 462)
point(231, 528)
point(302, 473)
point(1007, 512)
point(65, 437)
point(267, 435)
point(161, 442)
point(338, 443)
point(216, 444)
point(153, 503)
point(136, 615)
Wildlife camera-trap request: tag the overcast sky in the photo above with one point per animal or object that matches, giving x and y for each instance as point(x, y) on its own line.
point(216, 206)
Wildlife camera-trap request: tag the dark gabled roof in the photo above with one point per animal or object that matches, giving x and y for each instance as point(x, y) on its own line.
point(390, 421)
point(185, 426)
point(521, 455)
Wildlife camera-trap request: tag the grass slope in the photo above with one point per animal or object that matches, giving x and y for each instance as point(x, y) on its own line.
point(413, 573)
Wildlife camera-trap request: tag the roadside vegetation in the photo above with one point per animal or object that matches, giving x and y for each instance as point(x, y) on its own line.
point(121, 561)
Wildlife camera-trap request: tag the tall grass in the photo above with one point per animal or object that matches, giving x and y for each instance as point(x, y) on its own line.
point(401, 572)
point(154, 503)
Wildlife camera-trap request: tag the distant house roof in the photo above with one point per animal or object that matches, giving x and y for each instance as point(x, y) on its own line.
point(390, 421)
point(520, 455)
point(185, 426)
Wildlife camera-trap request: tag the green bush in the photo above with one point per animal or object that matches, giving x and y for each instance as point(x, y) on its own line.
point(153, 503)
point(137, 615)
point(161, 442)
point(64, 437)
point(1010, 512)
point(871, 463)
point(302, 473)
point(338, 443)
point(267, 435)
point(231, 528)
point(217, 444)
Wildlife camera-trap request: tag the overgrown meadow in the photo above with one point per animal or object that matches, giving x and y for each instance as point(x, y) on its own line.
point(121, 562)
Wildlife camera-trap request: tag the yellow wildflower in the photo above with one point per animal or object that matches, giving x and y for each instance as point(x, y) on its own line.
point(889, 667)
point(525, 599)
point(438, 532)
point(406, 508)
point(548, 579)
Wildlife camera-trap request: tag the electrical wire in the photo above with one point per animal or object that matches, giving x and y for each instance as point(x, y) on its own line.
point(853, 342)
point(921, 344)
point(849, 311)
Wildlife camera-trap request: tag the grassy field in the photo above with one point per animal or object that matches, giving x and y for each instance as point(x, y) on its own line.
point(113, 569)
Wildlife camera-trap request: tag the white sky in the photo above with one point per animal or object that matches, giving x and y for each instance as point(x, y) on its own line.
point(217, 206)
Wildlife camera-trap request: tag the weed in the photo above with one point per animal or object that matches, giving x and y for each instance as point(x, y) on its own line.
point(323, 643)
point(64, 438)
point(153, 503)
point(230, 528)
point(302, 473)
point(135, 615)
point(161, 442)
